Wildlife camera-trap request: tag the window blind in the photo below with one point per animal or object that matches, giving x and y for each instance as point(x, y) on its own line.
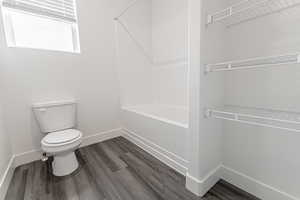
point(60, 9)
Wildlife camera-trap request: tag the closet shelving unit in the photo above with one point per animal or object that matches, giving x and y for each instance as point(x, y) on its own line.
point(254, 63)
point(236, 14)
point(248, 10)
point(259, 117)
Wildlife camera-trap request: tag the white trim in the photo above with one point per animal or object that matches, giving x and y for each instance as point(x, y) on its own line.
point(7, 176)
point(162, 119)
point(254, 186)
point(201, 187)
point(27, 157)
point(33, 155)
point(238, 179)
point(100, 137)
point(175, 162)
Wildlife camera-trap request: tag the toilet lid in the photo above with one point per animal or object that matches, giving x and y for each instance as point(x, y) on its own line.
point(62, 136)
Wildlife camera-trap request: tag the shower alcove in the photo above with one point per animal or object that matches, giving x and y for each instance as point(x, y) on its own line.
point(151, 53)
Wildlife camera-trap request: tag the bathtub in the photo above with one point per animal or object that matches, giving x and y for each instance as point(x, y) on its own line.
point(160, 130)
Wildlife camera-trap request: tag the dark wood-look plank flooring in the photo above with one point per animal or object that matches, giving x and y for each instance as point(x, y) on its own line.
point(112, 170)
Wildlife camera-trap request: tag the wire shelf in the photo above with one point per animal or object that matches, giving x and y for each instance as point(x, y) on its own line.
point(289, 121)
point(249, 10)
point(254, 63)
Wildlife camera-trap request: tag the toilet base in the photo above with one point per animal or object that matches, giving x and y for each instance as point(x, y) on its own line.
point(64, 164)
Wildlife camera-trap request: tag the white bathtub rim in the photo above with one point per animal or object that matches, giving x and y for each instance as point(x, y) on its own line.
point(163, 119)
point(185, 108)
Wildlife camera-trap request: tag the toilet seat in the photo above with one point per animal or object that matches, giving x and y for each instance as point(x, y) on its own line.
point(61, 137)
point(61, 141)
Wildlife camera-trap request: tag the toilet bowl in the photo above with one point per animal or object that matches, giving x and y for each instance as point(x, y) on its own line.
point(57, 121)
point(61, 145)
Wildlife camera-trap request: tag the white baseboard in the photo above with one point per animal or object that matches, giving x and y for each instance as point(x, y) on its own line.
point(177, 163)
point(100, 137)
point(27, 157)
point(7, 176)
point(253, 186)
point(201, 187)
point(30, 156)
point(240, 180)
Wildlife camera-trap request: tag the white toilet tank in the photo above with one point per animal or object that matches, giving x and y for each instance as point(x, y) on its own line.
point(55, 116)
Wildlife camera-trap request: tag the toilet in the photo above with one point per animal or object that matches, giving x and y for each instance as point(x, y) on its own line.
point(57, 120)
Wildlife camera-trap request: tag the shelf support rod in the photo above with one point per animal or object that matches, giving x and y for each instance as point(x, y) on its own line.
point(229, 66)
point(230, 11)
point(207, 69)
point(298, 58)
point(236, 116)
point(207, 113)
point(209, 19)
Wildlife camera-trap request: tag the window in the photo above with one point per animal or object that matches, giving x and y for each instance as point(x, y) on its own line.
point(41, 24)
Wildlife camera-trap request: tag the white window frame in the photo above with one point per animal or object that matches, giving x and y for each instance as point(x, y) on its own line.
point(10, 34)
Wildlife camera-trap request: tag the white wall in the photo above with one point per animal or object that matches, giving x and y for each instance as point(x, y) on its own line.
point(211, 91)
point(134, 55)
point(169, 42)
point(170, 84)
point(5, 146)
point(90, 77)
point(160, 76)
point(5, 151)
point(268, 155)
point(169, 30)
point(139, 23)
